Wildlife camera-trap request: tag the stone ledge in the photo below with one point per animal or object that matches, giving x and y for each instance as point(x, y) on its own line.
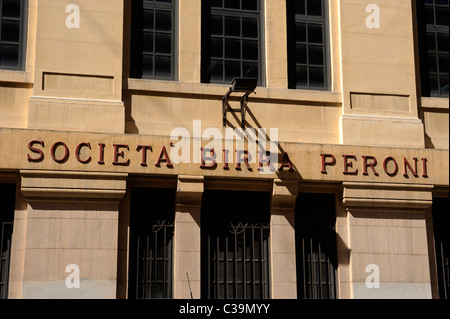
point(38, 185)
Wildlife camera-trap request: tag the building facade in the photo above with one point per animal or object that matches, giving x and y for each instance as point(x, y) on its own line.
point(180, 149)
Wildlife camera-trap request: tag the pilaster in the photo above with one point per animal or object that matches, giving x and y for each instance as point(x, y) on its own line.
point(282, 240)
point(187, 255)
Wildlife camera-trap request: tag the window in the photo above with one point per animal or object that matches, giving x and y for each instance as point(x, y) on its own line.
point(441, 226)
point(231, 40)
point(12, 33)
point(151, 243)
point(315, 219)
point(433, 42)
point(7, 198)
point(153, 39)
point(235, 245)
point(307, 44)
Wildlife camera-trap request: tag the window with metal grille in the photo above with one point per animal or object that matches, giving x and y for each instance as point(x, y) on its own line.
point(441, 230)
point(433, 29)
point(153, 39)
point(12, 33)
point(235, 245)
point(315, 219)
point(307, 44)
point(151, 243)
point(231, 40)
point(7, 199)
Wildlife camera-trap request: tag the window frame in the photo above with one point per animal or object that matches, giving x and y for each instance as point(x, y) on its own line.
point(23, 25)
point(206, 56)
point(291, 20)
point(136, 39)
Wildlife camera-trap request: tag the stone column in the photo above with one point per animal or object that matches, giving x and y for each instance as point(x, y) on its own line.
point(187, 238)
point(282, 240)
point(69, 248)
point(387, 240)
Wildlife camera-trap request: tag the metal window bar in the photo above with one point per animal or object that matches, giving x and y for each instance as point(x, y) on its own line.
point(235, 245)
point(316, 248)
point(5, 254)
point(441, 226)
point(238, 262)
point(151, 243)
point(154, 262)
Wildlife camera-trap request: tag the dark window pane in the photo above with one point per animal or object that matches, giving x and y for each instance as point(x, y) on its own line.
point(251, 70)
point(216, 25)
point(434, 84)
point(10, 31)
point(429, 15)
point(443, 63)
point(250, 5)
point(163, 66)
point(314, 7)
point(217, 3)
point(432, 63)
point(217, 48)
point(442, 16)
point(232, 26)
point(163, 43)
point(300, 32)
point(147, 44)
point(442, 41)
point(216, 71)
point(301, 55)
point(147, 65)
point(302, 76)
point(9, 55)
point(232, 70)
point(300, 7)
point(232, 49)
point(316, 77)
point(163, 20)
point(315, 33)
point(444, 85)
point(232, 4)
point(149, 19)
point(315, 55)
point(431, 42)
point(249, 28)
point(250, 50)
point(11, 8)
